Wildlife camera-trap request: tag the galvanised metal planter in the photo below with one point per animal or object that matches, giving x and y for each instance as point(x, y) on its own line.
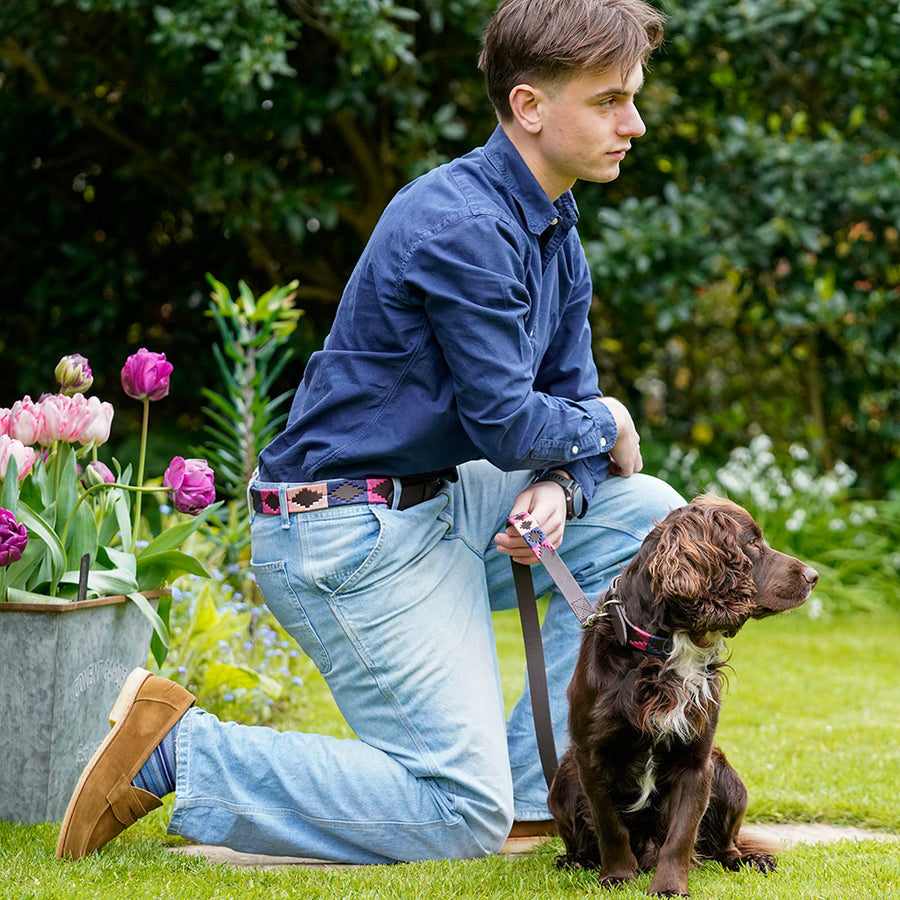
point(62, 665)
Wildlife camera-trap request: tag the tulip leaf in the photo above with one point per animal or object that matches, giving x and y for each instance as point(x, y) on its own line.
point(104, 582)
point(177, 534)
point(237, 676)
point(18, 595)
point(9, 494)
point(154, 570)
point(159, 643)
point(65, 490)
point(117, 559)
point(54, 558)
point(82, 537)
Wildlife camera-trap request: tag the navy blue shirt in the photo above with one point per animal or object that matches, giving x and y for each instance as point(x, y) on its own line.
point(462, 334)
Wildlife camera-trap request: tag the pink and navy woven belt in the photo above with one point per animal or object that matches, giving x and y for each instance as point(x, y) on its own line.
point(344, 492)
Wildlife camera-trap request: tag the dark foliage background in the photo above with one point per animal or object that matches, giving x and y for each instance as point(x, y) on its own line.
point(746, 263)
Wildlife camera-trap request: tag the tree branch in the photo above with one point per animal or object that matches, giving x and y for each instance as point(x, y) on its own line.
point(14, 54)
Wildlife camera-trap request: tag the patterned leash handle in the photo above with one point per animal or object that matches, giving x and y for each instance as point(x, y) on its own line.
point(585, 611)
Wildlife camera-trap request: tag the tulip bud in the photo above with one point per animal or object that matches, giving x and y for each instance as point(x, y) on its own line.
point(190, 481)
point(74, 374)
point(145, 375)
point(96, 472)
point(13, 538)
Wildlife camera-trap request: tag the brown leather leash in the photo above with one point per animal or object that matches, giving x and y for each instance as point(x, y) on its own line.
point(587, 614)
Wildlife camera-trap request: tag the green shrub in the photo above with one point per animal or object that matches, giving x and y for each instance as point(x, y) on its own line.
point(813, 515)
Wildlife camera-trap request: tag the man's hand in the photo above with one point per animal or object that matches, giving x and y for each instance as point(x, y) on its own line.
point(545, 502)
point(625, 456)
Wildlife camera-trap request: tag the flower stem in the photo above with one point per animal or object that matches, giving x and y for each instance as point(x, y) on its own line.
point(139, 481)
point(105, 486)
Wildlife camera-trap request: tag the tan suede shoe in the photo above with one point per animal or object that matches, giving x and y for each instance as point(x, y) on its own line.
point(105, 802)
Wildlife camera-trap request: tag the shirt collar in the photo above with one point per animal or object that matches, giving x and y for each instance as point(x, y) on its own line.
point(537, 208)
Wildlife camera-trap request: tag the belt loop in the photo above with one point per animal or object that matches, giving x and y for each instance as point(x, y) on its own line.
point(253, 477)
point(283, 506)
point(398, 487)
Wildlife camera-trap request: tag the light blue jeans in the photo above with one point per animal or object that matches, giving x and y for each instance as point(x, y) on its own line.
point(394, 607)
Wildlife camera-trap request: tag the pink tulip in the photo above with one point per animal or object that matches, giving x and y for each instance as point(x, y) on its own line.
point(26, 420)
point(4, 420)
point(65, 418)
point(190, 482)
point(74, 374)
point(145, 375)
point(13, 538)
point(96, 430)
point(24, 456)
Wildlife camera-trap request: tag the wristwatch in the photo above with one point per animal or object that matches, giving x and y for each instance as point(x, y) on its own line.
point(576, 505)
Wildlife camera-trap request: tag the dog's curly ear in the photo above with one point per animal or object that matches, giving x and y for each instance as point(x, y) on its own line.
point(698, 554)
point(680, 566)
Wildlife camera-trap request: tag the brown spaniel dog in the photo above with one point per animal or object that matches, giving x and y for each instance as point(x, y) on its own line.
point(643, 784)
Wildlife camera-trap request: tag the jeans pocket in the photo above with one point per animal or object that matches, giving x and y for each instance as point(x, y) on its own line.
point(285, 605)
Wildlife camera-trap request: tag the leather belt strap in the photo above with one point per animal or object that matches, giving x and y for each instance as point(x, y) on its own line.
point(344, 492)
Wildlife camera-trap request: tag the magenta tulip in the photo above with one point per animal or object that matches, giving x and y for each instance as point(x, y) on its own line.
point(13, 538)
point(190, 482)
point(74, 374)
point(145, 375)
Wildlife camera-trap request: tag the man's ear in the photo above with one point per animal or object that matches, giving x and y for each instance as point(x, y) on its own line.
point(525, 103)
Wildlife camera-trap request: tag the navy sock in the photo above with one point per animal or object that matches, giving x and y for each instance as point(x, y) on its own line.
point(158, 773)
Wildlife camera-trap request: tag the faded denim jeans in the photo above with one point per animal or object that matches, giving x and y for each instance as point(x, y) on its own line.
point(394, 607)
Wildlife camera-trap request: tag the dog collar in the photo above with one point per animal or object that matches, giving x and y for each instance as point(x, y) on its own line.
point(588, 614)
point(628, 633)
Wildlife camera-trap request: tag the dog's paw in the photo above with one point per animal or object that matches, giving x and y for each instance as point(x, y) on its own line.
point(609, 882)
point(571, 862)
point(761, 862)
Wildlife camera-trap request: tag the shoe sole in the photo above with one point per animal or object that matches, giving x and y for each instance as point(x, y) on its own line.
point(120, 709)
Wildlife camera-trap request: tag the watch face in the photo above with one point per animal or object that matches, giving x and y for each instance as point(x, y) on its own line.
point(576, 499)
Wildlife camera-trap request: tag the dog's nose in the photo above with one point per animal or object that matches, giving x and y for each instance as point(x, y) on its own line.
point(811, 576)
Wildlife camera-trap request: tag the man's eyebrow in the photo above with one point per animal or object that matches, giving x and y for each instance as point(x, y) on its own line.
point(618, 91)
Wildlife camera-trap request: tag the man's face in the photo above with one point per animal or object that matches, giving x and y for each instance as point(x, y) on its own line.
point(587, 125)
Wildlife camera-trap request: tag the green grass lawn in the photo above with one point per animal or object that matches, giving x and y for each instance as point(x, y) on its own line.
point(811, 720)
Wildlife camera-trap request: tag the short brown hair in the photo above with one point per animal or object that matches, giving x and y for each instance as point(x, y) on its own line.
point(551, 40)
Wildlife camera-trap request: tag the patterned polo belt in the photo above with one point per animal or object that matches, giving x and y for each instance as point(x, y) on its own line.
point(343, 492)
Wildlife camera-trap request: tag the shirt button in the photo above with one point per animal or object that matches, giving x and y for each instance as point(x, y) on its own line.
point(602, 442)
point(575, 450)
point(554, 221)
